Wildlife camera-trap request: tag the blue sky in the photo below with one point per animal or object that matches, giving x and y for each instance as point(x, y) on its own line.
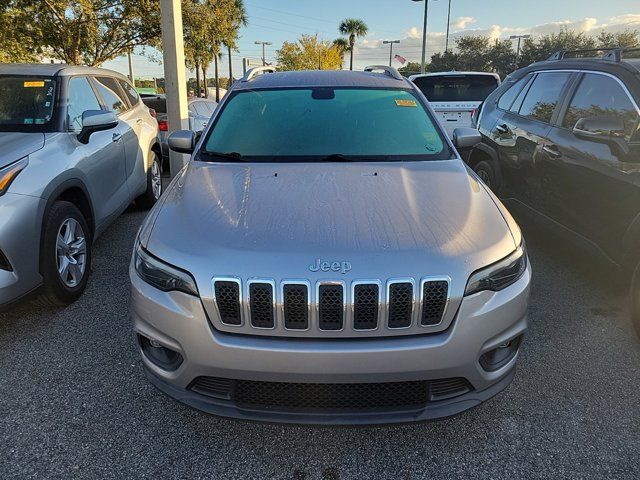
point(281, 20)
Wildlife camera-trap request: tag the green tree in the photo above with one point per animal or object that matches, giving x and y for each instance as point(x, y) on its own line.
point(342, 44)
point(445, 62)
point(410, 68)
point(88, 32)
point(354, 28)
point(625, 39)
point(536, 49)
point(308, 53)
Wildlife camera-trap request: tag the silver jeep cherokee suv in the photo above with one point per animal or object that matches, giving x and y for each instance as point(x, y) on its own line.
point(326, 257)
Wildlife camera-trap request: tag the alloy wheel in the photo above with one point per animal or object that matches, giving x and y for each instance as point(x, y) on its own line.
point(71, 252)
point(156, 180)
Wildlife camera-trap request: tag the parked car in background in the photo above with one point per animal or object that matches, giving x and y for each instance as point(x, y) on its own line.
point(562, 139)
point(326, 257)
point(76, 148)
point(455, 96)
point(200, 111)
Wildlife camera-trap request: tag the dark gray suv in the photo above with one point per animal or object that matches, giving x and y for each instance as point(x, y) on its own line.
point(562, 139)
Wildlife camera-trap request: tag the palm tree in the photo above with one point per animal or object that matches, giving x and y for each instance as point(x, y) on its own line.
point(342, 45)
point(239, 19)
point(354, 28)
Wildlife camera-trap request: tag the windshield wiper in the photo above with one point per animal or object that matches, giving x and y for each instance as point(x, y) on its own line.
point(230, 155)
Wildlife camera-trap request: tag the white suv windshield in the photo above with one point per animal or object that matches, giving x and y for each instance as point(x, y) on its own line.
point(26, 103)
point(308, 124)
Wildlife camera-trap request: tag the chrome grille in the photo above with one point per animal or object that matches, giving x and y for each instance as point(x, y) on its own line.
point(331, 309)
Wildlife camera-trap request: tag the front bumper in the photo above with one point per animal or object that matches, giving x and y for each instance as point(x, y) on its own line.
point(20, 228)
point(483, 322)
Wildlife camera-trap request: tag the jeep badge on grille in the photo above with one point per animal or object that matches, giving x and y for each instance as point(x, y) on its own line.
point(319, 265)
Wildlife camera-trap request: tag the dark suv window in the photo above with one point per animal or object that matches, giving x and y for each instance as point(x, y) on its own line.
point(599, 95)
point(543, 96)
point(507, 98)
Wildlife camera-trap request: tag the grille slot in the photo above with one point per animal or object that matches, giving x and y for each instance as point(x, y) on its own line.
point(212, 387)
point(400, 304)
point(434, 301)
point(228, 301)
point(330, 307)
point(366, 299)
point(448, 388)
point(296, 306)
point(261, 305)
point(331, 397)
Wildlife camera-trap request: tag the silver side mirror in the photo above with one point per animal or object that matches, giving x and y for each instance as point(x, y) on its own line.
point(465, 138)
point(96, 121)
point(182, 141)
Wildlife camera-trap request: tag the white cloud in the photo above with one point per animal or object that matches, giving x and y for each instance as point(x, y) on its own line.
point(462, 22)
point(372, 50)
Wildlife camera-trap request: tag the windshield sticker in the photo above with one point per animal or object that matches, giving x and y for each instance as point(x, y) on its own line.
point(28, 121)
point(36, 84)
point(406, 103)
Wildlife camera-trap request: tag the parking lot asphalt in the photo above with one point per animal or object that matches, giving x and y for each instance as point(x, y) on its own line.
point(74, 402)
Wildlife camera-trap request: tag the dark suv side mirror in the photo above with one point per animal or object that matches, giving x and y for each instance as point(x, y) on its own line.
point(603, 129)
point(465, 138)
point(96, 121)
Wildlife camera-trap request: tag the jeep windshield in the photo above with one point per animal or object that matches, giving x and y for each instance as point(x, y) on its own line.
point(324, 124)
point(26, 103)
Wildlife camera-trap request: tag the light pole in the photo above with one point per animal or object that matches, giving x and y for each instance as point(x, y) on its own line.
point(424, 34)
point(519, 37)
point(264, 58)
point(446, 44)
point(390, 43)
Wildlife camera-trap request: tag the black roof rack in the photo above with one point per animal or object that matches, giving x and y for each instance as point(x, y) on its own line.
point(614, 54)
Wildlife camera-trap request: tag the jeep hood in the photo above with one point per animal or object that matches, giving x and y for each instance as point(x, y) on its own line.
point(274, 220)
point(16, 145)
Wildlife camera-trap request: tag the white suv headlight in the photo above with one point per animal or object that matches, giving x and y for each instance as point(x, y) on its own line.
point(162, 275)
point(499, 275)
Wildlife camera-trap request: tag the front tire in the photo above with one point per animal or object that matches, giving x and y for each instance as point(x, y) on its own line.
point(154, 185)
point(634, 296)
point(66, 255)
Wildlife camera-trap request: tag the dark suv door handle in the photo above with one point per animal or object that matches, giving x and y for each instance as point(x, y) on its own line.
point(504, 128)
point(552, 151)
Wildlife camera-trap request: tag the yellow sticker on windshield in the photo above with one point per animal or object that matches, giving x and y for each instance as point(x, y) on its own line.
point(406, 103)
point(36, 84)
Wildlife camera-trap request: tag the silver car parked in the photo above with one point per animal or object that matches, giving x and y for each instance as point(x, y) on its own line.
point(76, 148)
point(327, 257)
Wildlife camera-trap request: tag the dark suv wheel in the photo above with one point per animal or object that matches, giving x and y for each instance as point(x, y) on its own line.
point(66, 254)
point(488, 175)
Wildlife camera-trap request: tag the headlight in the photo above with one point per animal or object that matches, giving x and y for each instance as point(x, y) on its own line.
point(10, 172)
point(499, 275)
point(161, 275)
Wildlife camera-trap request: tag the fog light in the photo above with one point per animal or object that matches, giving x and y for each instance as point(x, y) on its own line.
point(501, 355)
point(160, 355)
